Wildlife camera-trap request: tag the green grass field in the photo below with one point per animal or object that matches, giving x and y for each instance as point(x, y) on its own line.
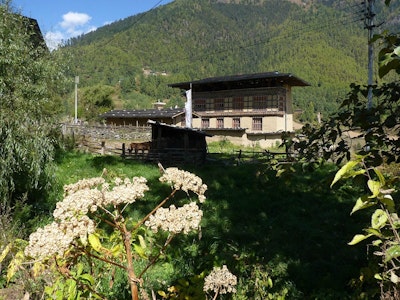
point(294, 228)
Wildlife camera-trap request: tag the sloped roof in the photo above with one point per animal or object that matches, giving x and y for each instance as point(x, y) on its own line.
point(178, 128)
point(245, 81)
point(143, 113)
point(33, 29)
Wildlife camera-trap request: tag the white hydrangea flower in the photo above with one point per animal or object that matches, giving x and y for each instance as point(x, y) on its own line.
point(221, 281)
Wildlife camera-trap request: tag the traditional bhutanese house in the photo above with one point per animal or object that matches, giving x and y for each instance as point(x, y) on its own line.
point(172, 144)
point(246, 109)
point(139, 117)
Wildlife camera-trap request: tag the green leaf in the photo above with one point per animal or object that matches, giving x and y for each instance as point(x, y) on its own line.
point(139, 250)
point(79, 269)
point(392, 252)
point(376, 243)
point(358, 238)
point(387, 200)
point(270, 283)
point(378, 276)
point(14, 265)
point(71, 289)
point(162, 294)
point(5, 252)
point(94, 241)
point(345, 171)
point(380, 176)
point(361, 203)
point(116, 250)
point(374, 187)
point(87, 278)
point(142, 241)
point(378, 219)
point(397, 51)
point(374, 231)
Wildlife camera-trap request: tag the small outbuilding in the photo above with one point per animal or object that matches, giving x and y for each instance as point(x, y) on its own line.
point(175, 145)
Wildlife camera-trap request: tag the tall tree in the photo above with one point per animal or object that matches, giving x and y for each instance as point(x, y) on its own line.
point(28, 80)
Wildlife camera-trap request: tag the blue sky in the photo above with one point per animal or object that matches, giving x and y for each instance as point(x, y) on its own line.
point(62, 19)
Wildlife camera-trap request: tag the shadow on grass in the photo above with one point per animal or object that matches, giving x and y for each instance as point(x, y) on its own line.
point(295, 225)
point(296, 222)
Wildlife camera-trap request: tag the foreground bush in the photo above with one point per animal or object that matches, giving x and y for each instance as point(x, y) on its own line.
point(95, 232)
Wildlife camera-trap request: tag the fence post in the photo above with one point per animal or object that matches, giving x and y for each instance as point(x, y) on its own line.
point(103, 147)
point(123, 150)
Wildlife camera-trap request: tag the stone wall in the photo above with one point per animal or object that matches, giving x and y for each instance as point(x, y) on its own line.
point(108, 132)
point(105, 139)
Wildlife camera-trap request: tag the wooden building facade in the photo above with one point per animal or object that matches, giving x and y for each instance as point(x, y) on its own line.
point(245, 109)
point(172, 145)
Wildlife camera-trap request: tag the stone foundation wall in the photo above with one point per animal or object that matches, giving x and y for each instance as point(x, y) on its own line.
point(107, 132)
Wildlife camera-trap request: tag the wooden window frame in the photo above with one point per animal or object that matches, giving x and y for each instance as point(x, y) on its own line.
point(257, 123)
point(238, 104)
point(219, 104)
point(220, 123)
point(199, 105)
point(235, 122)
point(205, 123)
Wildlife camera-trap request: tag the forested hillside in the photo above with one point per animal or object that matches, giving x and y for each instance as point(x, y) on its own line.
point(323, 42)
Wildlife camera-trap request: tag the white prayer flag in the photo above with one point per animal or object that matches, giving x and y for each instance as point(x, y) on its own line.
point(188, 108)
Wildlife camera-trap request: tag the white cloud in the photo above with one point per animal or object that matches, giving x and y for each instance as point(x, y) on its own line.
point(54, 39)
point(73, 24)
point(72, 20)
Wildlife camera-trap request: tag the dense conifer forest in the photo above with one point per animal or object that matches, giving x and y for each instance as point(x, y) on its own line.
point(322, 42)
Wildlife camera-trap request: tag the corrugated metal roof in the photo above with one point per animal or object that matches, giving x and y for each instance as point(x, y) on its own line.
point(143, 113)
point(255, 80)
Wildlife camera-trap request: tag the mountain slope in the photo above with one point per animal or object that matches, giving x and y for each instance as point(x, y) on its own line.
point(322, 42)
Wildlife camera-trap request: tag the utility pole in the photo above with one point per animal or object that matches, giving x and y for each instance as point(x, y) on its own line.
point(369, 25)
point(76, 99)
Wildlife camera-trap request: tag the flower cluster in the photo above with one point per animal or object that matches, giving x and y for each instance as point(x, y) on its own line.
point(82, 185)
point(221, 281)
point(55, 238)
point(124, 191)
point(70, 216)
point(176, 220)
point(185, 181)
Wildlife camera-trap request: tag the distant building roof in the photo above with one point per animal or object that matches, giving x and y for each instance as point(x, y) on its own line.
point(245, 81)
point(33, 29)
point(143, 113)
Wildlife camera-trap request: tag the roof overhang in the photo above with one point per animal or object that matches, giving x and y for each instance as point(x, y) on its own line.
point(177, 128)
point(257, 80)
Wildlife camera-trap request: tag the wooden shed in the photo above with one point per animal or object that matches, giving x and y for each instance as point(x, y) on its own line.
point(175, 145)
